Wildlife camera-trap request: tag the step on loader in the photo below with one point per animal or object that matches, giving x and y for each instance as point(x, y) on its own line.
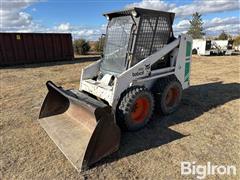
point(143, 67)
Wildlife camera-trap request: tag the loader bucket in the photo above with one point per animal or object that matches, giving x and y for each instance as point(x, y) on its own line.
point(82, 127)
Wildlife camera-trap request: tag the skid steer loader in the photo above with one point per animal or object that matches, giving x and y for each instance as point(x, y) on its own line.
point(144, 67)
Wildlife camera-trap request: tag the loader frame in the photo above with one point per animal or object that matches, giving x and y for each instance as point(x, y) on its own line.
point(141, 73)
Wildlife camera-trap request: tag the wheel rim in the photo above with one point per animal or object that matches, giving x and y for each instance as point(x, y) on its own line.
point(172, 96)
point(140, 110)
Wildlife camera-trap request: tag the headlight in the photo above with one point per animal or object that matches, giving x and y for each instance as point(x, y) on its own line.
point(134, 13)
point(107, 17)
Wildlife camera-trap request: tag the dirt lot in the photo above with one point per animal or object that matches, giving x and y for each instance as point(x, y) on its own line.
point(205, 128)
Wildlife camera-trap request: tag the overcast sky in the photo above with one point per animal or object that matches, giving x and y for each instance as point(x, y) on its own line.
point(83, 18)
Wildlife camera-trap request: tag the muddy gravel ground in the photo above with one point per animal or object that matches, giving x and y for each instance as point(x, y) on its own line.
point(206, 128)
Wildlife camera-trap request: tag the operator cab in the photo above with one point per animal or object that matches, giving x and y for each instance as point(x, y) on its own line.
point(132, 35)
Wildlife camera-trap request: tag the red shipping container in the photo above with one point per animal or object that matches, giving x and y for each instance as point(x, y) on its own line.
point(26, 48)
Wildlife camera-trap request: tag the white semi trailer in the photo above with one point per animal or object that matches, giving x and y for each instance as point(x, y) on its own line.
point(212, 47)
point(201, 47)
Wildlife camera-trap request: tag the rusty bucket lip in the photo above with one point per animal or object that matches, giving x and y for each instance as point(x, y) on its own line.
point(74, 95)
point(104, 121)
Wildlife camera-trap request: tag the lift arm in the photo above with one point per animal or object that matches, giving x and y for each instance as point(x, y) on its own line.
point(142, 70)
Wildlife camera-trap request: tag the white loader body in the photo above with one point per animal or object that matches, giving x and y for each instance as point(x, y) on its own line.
point(140, 74)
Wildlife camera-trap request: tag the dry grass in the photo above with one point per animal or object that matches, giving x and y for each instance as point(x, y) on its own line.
point(205, 128)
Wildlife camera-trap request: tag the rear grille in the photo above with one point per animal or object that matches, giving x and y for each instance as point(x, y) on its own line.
point(153, 34)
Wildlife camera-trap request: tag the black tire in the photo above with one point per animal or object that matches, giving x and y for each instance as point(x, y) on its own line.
point(128, 116)
point(194, 51)
point(162, 89)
